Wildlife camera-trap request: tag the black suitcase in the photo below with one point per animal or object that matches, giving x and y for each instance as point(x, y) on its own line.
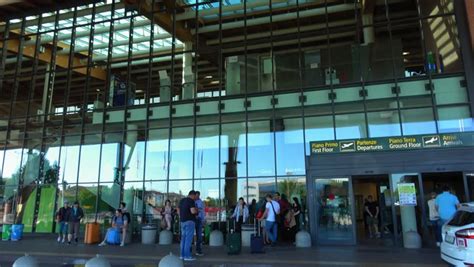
point(234, 242)
point(256, 242)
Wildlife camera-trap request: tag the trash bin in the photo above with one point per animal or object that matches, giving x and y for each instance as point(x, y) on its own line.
point(17, 232)
point(247, 231)
point(6, 232)
point(149, 234)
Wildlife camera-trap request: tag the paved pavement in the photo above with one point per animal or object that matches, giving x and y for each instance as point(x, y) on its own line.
point(50, 253)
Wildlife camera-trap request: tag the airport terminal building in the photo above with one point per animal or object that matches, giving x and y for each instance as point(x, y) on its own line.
point(327, 101)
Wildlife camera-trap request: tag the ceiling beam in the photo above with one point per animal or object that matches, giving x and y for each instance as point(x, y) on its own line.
point(276, 18)
point(61, 60)
point(64, 16)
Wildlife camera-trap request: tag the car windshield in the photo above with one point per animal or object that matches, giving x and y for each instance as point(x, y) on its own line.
point(462, 218)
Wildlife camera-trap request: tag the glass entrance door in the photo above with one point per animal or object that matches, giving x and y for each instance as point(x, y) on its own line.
point(334, 211)
point(470, 184)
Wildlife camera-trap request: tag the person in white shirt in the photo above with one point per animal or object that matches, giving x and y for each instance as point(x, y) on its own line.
point(272, 209)
point(434, 217)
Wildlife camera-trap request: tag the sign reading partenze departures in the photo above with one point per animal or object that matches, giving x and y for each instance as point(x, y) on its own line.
point(394, 143)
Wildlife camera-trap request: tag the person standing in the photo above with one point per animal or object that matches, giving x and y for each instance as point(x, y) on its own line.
point(200, 220)
point(252, 210)
point(434, 217)
point(167, 215)
point(241, 214)
point(127, 220)
point(61, 220)
point(372, 209)
point(446, 205)
point(272, 209)
point(297, 213)
point(187, 216)
point(74, 217)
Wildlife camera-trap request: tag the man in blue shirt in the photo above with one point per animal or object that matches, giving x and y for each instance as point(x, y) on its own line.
point(200, 219)
point(446, 204)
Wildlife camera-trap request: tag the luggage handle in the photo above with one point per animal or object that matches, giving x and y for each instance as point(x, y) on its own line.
point(257, 226)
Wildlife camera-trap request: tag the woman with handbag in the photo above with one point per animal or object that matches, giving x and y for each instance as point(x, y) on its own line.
point(241, 214)
point(167, 215)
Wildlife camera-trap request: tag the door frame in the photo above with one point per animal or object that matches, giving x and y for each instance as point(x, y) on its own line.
point(468, 190)
point(388, 178)
point(315, 225)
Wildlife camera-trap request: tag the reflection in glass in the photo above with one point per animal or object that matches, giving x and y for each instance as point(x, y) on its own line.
point(318, 129)
point(157, 155)
point(211, 195)
point(350, 126)
point(289, 148)
point(134, 160)
point(181, 153)
point(206, 153)
point(334, 211)
point(154, 199)
point(233, 153)
point(455, 119)
point(261, 148)
point(418, 121)
point(384, 123)
point(179, 190)
point(89, 163)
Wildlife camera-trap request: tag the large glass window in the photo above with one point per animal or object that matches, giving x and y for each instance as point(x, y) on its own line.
point(384, 123)
point(181, 157)
point(157, 155)
point(206, 152)
point(289, 148)
point(350, 126)
point(418, 121)
point(233, 150)
point(261, 147)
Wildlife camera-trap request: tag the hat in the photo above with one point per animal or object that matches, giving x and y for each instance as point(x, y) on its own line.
point(66, 201)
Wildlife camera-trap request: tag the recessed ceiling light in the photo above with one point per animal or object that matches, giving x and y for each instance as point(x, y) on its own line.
point(208, 77)
point(214, 82)
point(406, 53)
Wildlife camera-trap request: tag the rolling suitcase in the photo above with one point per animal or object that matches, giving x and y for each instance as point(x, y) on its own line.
point(92, 233)
point(256, 241)
point(234, 242)
point(113, 238)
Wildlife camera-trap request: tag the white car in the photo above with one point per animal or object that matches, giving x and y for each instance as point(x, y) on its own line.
point(457, 247)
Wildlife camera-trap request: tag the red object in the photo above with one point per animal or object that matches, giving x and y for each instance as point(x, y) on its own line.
point(259, 214)
point(331, 196)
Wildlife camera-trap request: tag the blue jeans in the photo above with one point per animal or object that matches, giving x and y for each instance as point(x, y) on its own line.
point(439, 236)
point(272, 230)
point(198, 236)
point(187, 233)
point(436, 229)
point(62, 228)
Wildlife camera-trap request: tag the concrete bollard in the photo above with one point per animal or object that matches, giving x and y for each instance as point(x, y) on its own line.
point(166, 237)
point(411, 239)
point(26, 260)
point(303, 239)
point(216, 239)
point(170, 261)
point(98, 261)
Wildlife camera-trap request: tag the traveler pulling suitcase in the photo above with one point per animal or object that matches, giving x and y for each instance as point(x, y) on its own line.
point(234, 242)
point(92, 233)
point(256, 241)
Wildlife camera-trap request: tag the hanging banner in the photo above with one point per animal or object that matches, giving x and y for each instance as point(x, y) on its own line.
point(407, 194)
point(413, 142)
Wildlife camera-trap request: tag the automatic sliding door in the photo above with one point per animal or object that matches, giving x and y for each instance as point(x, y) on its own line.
point(334, 211)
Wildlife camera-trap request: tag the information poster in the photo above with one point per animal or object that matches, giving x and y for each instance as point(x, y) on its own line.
point(407, 194)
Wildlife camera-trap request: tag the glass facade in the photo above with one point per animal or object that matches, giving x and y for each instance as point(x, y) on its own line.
point(106, 103)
